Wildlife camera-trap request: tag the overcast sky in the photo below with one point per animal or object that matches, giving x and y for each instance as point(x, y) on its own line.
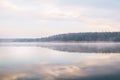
point(38, 18)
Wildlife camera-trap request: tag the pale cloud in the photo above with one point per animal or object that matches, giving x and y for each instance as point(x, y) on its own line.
point(95, 16)
point(10, 6)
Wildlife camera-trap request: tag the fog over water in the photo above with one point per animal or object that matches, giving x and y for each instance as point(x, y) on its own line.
point(60, 61)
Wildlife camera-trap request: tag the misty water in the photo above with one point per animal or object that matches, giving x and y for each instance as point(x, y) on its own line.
point(60, 61)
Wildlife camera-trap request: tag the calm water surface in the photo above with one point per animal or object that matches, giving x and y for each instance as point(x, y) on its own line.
point(59, 61)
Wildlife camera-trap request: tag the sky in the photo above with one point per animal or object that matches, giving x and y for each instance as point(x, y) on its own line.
point(40, 18)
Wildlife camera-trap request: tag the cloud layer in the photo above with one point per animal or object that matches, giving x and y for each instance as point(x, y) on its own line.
point(48, 16)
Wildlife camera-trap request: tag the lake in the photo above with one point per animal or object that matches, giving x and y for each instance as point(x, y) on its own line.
point(60, 61)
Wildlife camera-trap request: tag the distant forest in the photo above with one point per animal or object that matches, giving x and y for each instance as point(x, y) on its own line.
point(89, 36)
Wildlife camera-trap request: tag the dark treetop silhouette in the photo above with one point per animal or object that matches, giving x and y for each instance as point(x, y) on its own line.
point(88, 37)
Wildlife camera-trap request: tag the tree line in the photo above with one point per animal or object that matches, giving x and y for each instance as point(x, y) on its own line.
point(88, 36)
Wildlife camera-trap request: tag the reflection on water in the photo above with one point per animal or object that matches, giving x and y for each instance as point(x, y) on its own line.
point(86, 47)
point(31, 62)
point(100, 47)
